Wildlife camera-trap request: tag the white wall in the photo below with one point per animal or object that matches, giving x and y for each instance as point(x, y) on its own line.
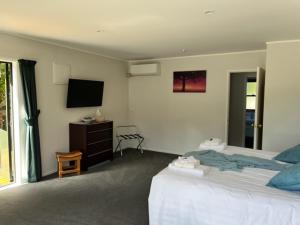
point(178, 122)
point(55, 117)
point(171, 122)
point(282, 92)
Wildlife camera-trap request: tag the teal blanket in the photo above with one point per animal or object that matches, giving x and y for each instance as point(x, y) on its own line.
point(234, 162)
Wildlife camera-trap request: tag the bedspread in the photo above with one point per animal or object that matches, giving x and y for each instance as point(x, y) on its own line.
point(222, 197)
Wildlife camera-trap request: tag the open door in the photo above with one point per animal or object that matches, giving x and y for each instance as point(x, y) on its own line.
point(6, 149)
point(258, 121)
point(237, 110)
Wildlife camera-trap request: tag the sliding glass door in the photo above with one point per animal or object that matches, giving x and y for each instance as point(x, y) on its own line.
point(6, 149)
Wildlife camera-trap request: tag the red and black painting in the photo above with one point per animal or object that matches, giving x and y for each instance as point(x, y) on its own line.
point(189, 81)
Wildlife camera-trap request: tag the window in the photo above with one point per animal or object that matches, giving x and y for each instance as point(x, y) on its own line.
point(251, 95)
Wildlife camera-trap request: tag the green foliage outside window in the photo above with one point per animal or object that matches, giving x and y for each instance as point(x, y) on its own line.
point(3, 121)
point(2, 82)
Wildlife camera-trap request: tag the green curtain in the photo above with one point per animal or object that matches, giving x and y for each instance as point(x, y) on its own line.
point(33, 152)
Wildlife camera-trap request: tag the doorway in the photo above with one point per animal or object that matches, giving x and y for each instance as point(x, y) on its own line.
point(245, 114)
point(6, 149)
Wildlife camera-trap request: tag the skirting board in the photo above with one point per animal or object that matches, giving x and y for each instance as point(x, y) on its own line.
point(162, 151)
point(54, 172)
point(48, 173)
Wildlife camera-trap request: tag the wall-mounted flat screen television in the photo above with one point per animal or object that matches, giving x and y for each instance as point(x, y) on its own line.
point(84, 93)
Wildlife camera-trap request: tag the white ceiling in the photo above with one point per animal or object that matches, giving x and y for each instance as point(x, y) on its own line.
point(142, 29)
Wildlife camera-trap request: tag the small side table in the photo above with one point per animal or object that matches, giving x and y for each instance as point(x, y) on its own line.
point(62, 157)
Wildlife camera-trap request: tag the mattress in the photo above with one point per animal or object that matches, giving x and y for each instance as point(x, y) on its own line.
point(222, 198)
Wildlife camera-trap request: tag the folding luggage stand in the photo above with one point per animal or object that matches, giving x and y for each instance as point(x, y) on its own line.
point(130, 132)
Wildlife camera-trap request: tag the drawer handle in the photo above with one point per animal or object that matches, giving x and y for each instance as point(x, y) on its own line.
point(95, 131)
point(98, 153)
point(96, 142)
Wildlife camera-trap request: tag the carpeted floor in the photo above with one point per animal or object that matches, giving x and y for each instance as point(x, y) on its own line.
point(114, 193)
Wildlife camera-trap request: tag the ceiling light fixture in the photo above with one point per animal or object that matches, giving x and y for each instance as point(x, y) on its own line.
point(209, 12)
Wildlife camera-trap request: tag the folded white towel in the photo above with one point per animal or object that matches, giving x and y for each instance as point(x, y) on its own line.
point(213, 141)
point(188, 159)
point(199, 170)
point(186, 162)
point(185, 165)
point(217, 148)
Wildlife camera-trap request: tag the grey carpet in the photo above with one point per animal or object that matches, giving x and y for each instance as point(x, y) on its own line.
point(114, 193)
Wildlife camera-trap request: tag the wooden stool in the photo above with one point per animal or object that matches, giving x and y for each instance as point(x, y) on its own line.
point(68, 157)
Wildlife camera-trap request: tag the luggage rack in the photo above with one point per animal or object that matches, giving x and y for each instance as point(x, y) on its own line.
point(127, 133)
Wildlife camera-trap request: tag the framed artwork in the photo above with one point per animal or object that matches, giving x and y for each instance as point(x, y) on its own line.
point(189, 81)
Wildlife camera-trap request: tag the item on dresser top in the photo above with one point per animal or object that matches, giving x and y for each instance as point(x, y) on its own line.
point(291, 155)
point(217, 148)
point(186, 162)
point(88, 119)
point(99, 117)
point(199, 170)
point(235, 162)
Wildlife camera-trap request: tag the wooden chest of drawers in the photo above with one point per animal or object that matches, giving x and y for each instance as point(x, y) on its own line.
point(95, 141)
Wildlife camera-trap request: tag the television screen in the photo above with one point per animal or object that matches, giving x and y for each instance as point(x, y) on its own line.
point(84, 93)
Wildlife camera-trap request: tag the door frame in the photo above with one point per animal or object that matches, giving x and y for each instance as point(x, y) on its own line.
point(19, 129)
point(227, 100)
point(259, 105)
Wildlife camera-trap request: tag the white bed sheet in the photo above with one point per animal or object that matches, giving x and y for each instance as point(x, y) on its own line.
point(222, 198)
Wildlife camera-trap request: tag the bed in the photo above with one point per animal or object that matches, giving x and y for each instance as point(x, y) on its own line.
point(222, 198)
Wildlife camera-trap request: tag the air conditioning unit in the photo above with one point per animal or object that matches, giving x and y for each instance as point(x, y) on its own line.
point(144, 69)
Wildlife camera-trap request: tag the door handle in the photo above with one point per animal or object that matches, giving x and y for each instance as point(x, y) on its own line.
point(256, 126)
